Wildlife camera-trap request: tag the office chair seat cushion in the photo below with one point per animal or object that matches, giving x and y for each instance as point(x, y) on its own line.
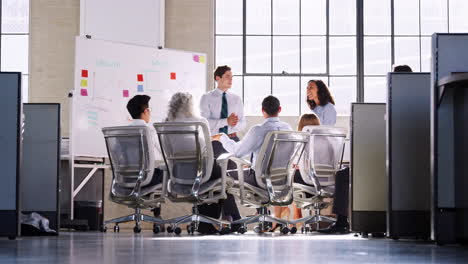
point(145, 190)
point(310, 190)
point(253, 187)
point(252, 194)
point(186, 189)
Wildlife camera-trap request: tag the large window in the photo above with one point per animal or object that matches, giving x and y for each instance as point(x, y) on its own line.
point(276, 46)
point(401, 38)
point(14, 42)
point(286, 43)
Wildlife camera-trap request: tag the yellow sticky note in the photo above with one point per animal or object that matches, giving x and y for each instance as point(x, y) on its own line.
point(202, 59)
point(84, 83)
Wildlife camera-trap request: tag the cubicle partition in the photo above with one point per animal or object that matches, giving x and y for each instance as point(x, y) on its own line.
point(368, 172)
point(449, 145)
point(41, 161)
point(408, 154)
point(10, 153)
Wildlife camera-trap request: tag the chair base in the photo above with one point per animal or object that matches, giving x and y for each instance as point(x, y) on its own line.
point(137, 217)
point(194, 219)
point(263, 218)
point(314, 219)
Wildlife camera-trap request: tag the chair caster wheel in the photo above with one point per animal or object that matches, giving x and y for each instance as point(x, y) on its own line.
point(395, 238)
point(169, 229)
point(257, 230)
point(225, 231)
point(307, 230)
point(365, 235)
point(156, 229)
point(11, 237)
point(356, 234)
point(293, 230)
point(284, 230)
point(137, 229)
point(177, 230)
point(242, 230)
point(191, 229)
point(116, 229)
point(104, 229)
point(302, 230)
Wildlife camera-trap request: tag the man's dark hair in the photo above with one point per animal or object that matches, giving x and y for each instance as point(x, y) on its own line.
point(220, 71)
point(402, 68)
point(137, 105)
point(271, 105)
point(323, 94)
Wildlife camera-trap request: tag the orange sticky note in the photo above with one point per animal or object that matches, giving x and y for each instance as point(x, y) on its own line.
point(84, 83)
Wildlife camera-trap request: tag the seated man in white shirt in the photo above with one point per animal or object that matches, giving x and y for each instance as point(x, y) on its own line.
point(252, 142)
point(139, 109)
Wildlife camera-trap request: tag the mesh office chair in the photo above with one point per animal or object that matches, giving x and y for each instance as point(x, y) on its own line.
point(188, 153)
point(318, 167)
point(274, 171)
point(132, 162)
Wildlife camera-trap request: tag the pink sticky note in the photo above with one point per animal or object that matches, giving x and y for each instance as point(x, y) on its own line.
point(126, 93)
point(173, 75)
point(84, 73)
point(140, 77)
point(196, 58)
point(84, 92)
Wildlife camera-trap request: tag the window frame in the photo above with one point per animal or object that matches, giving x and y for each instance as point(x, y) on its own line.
point(28, 34)
point(360, 52)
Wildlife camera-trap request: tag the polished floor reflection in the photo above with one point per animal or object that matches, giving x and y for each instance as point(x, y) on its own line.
point(125, 247)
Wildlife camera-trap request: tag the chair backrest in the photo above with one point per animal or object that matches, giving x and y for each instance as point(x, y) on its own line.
point(131, 154)
point(323, 155)
point(187, 151)
point(275, 166)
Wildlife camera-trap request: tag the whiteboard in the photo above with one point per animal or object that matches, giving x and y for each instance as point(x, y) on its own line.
point(108, 74)
point(135, 22)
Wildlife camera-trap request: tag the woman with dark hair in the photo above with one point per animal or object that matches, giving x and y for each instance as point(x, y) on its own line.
point(321, 102)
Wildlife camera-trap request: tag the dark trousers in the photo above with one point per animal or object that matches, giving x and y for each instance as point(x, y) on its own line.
point(228, 206)
point(341, 196)
point(341, 202)
point(157, 179)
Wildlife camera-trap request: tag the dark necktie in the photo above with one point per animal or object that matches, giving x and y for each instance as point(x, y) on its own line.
point(224, 113)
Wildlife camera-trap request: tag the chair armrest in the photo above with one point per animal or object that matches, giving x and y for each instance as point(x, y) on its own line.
point(163, 167)
point(223, 160)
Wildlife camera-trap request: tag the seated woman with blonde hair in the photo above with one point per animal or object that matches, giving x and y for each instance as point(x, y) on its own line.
point(284, 212)
point(306, 120)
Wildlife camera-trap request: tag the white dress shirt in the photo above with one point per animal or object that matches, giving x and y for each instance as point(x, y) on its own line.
point(210, 106)
point(253, 140)
point(157, 151)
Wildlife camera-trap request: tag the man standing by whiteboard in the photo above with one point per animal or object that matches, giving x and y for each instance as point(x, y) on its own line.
point(225, 114)
point(223, 109)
